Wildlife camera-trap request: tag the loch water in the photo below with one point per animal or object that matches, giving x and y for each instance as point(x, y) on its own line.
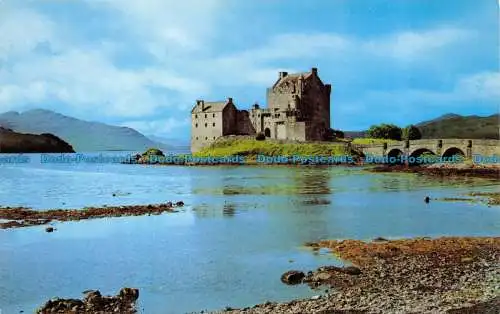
point(240, 229)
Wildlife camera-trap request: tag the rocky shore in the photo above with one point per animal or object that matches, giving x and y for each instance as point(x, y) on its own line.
point(24, 217)
point(491, 171)
point(95, 303)
point(443, 275)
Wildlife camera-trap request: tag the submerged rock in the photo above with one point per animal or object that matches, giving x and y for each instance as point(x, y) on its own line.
point(49, 229)
point(292, 277)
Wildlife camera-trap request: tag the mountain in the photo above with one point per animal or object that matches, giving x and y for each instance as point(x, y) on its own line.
point(453, 125)
point(84, 136)
point(171, 142)
point(457, 126)
point(440, 118)
point(13, 142)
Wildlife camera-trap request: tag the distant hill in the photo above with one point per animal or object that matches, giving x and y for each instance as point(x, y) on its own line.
point(354, 134)
point(13, 142)
point(82, 135)
point(172, 142)
point(457, 126)
point(452, 125)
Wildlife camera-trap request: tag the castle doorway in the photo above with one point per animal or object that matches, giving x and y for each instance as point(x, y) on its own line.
point(267, 132)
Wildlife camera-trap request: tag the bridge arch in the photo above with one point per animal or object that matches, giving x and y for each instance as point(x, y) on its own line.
point(421, 151)
point(395, 152)
point(453, 151)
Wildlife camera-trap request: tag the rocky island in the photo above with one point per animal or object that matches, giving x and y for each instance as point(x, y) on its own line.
point(13, 142)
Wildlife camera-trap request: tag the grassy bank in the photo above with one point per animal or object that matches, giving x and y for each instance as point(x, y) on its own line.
point(251, 148)
point(367, 140)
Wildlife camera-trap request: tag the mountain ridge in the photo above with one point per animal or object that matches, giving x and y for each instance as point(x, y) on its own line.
point(83, 135)
point(452, 125)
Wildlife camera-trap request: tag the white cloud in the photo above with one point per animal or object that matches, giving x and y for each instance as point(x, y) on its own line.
point(167, 27)
point(22, 30)
point(482, 86)
point(415, 46)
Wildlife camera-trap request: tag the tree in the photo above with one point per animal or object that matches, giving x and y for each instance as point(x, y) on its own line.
point(338, 134)
point(411, 132)
point(260, 137)
point(331, 134)
point(153, 152)
point(385, 131)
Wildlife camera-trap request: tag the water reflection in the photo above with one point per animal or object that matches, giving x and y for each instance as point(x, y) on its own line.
point(216, 210)
point(312, 180)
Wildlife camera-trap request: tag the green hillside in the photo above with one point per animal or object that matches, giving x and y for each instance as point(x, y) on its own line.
point(456, 126)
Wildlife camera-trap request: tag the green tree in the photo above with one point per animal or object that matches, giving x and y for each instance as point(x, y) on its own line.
point(153, 152)
point(385, 131)
point(338, 134)
point(411, 132)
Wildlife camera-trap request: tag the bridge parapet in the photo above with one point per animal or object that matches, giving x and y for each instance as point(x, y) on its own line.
point(441, 147)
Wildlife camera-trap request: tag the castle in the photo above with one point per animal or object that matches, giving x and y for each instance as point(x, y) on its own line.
point(298, 109)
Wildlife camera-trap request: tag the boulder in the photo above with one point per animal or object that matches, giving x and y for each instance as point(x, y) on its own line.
point(292, 277)
point(129, 294)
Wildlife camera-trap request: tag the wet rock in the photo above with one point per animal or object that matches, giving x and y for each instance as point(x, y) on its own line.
point(129, 294)
point(380, 239)
point(179, 203)
point(49, 229)
point(427, 199)
point(94, 302)
point(351, 270)
point(292, 277)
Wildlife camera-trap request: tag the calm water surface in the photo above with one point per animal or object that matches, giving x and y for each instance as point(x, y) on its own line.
point(241, 228)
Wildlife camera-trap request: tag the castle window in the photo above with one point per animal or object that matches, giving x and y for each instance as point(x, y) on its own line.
point(206, 124)
point(196, 116)
point(214, 115)
point(213, 124)
point(206, 137)
point(214, 137)
point(196, 125)
point(197, 138)
point(205, 115)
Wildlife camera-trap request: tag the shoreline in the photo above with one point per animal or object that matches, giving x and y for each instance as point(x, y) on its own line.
point(18, 217)
point(442, 275)
point(454, 275)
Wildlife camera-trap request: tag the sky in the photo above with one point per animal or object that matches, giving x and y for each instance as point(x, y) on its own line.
point(144, 63)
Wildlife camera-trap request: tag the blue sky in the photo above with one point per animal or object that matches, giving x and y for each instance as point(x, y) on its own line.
point(144, 63)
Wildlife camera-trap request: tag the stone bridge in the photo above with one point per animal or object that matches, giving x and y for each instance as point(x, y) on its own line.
point(444, 148)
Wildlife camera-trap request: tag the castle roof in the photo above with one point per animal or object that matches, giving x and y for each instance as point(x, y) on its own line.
point(210, 106)
point(293, 77)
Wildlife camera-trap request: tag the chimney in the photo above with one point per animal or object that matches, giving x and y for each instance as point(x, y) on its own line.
point(314, 71)
point(201, 103)
point(229, 100)
point(283, 74)
point(328, 88)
